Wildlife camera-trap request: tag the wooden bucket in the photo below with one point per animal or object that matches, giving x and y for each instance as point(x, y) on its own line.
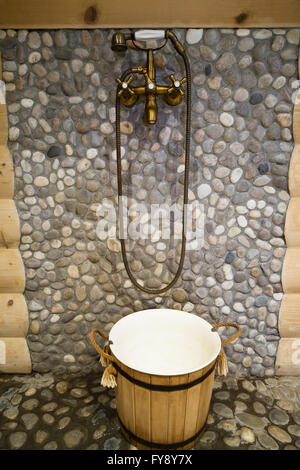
point(164, 363)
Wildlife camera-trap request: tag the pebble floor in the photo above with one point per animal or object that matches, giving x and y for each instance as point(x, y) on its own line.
point(47, 412)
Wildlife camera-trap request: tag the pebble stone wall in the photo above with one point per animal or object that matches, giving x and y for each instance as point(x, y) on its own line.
point(60, 97)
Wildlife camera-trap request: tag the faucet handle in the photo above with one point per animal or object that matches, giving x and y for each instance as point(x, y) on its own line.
point(126, 94)
point(176, 84)
point(124, 86)
point(175, 92)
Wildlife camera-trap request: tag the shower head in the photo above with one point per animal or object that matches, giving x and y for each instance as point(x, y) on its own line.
point(118, 42)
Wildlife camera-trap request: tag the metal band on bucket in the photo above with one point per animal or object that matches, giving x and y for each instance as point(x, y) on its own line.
point(157, 445)
point(164, 388)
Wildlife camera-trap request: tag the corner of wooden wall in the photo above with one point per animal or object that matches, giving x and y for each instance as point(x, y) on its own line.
point(14, 352)
point(288, 352)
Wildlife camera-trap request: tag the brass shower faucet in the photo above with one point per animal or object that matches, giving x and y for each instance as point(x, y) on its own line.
point(173, 94)
point(128, 94)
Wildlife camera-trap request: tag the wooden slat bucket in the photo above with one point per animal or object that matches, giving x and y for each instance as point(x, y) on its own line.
point(163, 361)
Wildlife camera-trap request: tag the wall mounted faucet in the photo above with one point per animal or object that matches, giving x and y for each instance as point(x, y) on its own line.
point(128, 94)
point(173, 93)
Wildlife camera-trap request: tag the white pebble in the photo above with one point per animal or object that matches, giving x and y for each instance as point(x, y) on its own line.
point(228, 272)
point(242, 221)
point(225, 310)
point(41, 181)
point(238, 307)
point(194, 35)
point(236, 175)
point(27, 103)
point(91, 153)
point(203, 190)
point(262, 34)
point(226, 119)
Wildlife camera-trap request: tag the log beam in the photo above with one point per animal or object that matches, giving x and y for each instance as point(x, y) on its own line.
point(34, 14)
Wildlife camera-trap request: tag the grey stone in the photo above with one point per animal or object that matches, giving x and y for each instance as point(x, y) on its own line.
point(222, 410)
point(267, 442)
point(54, 151)
point(73, 438)
point(278, 417)
point(112, 444)
point(34, 40)
point(214, 131)
point(209, 437)
point(29, 420)
point(225, 62)
point(252, 421)
point(207, 54)
point(17, 440)
point(211, 37)
point(256, 98)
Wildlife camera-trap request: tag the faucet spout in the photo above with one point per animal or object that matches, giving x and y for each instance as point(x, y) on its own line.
point(150, 115)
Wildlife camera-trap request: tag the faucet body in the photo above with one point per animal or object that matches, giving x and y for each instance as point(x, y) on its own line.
point(173, 93)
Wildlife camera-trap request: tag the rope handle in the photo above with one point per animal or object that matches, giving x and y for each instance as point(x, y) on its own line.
point(235, 336)
point(96, 346)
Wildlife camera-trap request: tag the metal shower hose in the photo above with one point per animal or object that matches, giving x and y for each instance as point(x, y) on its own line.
point(186, 181)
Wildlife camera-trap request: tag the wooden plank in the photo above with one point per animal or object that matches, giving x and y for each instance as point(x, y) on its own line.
point(9, 224)
point(291, 271)
point(205, 393)
point(289, 316)
point(6, 173)
point(288, 357)
point(294, 168)
point(193, 412)
point(13, 316)
point(159, 411)
point(14, 353)
point(12, 274)
point(292, 223)
point(177, 409)
point(294, 172)
point(296, 119)
point(3, 125)
point(34, 14)
point(125, 399)
point(142, 400)
point(14, 356)
point(205, 398)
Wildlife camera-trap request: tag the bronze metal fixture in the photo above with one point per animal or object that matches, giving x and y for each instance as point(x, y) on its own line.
point(128, 94)
point(118, 42)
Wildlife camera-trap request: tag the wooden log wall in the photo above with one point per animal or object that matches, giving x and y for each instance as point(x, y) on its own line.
point(37, 14)
point(14, 353)
point(288, 353)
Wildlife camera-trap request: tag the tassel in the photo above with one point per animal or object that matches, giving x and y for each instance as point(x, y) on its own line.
point(109, 377)
point(222, 366)
point(105, 362)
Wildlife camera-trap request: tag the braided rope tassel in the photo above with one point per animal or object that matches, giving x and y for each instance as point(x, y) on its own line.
point(222, 366)
point(103, 360)
point(109, 377)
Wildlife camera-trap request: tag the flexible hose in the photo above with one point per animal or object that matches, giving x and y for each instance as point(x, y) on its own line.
point(186, 181)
